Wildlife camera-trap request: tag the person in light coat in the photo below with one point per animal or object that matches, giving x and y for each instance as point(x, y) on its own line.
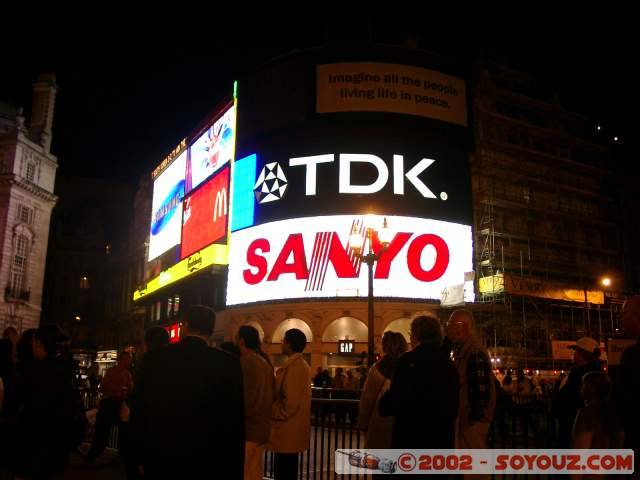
point(258, 399)
point(291, 411)
point(377, 427)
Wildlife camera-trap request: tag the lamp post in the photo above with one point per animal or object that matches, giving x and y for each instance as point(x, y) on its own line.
point(356, 240)
point(604, 282)
point(587, 315)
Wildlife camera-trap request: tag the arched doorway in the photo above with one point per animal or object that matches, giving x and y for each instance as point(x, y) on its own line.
point(402, 325)
point(345, 328)
point(279, 359)
point(258, 327)
point(288, 324)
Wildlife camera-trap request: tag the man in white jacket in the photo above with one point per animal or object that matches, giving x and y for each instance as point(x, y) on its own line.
point(291, 412)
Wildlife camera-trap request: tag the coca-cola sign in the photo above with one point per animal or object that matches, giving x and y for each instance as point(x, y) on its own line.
point(312, 257)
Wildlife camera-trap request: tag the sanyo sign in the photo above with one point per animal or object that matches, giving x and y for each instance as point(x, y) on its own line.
point(346, 185)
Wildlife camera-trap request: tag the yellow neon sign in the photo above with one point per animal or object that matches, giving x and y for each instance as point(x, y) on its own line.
point(212, 255)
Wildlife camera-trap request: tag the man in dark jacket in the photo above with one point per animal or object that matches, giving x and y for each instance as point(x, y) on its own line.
point(627, 382)
point(188, 407)
point(569, 398)
point(424, 391)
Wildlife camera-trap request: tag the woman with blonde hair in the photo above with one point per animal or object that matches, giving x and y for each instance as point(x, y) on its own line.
point(378, 428)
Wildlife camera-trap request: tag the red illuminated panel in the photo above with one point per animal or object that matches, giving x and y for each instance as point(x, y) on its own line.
point(174, 333)
point(205, 214)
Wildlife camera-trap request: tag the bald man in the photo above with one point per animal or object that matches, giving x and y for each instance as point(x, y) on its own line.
point(477, 386)
point(628, 382)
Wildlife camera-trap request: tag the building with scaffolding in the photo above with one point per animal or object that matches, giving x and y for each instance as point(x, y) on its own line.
point(547, 223)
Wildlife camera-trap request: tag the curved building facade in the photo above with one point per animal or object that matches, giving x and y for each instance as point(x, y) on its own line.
point(330, 145)
point(258, 212)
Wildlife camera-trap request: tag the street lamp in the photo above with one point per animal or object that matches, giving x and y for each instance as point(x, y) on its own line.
point(606, 282)
point(356, 241)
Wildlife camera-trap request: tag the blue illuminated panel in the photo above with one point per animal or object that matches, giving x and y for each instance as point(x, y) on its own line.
point(243, 205)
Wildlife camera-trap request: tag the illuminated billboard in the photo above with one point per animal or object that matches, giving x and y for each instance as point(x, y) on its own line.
point(212, 150)
point(215, 254)
point(174, 332)
point(304, 188)
point(311, 258)
point(166, 209)
point(205, 214)
point(302, 174)
point(243, 202)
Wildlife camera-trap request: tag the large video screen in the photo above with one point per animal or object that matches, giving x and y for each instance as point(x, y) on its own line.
point(166, 209)
point(312, 183)
point(311, 257)
point(212, 150)
point(303, 173)
point(205, 214)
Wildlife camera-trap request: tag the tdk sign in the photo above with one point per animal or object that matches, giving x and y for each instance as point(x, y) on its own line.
point(272, 182)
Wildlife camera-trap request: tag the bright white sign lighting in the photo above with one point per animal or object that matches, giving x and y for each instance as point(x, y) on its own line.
point(213, 150)
point(166, 210)
point(311, 258)
point(345, 161)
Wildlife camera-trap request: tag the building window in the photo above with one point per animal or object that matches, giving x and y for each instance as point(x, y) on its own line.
point(158, 310)
point(176, 305)
point(31, 171)
point(84, 283)
point(19, 265)
point(25, 214)
point(169, 307)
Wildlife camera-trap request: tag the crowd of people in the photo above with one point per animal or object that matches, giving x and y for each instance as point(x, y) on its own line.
point(41, 418)
point(342, 380)
point(189, 407)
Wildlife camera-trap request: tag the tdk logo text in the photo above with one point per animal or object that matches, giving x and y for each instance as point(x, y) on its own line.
point(347, 185)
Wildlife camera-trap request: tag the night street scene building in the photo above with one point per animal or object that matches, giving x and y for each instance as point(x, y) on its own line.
point(341, 189)
point(532, 205)
point(28, 176)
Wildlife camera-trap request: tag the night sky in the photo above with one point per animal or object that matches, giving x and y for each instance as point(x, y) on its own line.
point(124, 101)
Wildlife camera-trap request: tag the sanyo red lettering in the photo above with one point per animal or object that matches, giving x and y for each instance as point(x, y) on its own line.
point(293, 247)
point(292, 258)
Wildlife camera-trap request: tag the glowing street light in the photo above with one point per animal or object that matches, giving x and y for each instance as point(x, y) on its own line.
point(356, 242)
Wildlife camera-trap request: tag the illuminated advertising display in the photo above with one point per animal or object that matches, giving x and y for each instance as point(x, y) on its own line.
point(215, 254)
point(205, 214)
point(312, 184)
point(166, 210)
point(311, 257)
point(174, 332)
point(243, 202)
point(343, 174)
point(212, 150)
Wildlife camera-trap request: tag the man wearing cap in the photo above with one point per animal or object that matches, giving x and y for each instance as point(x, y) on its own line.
point(569, 399)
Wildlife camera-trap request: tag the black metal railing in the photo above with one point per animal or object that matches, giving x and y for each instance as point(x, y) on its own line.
point(90, 399)
point(520, 421)
point(524, 421)
point(333, 427)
